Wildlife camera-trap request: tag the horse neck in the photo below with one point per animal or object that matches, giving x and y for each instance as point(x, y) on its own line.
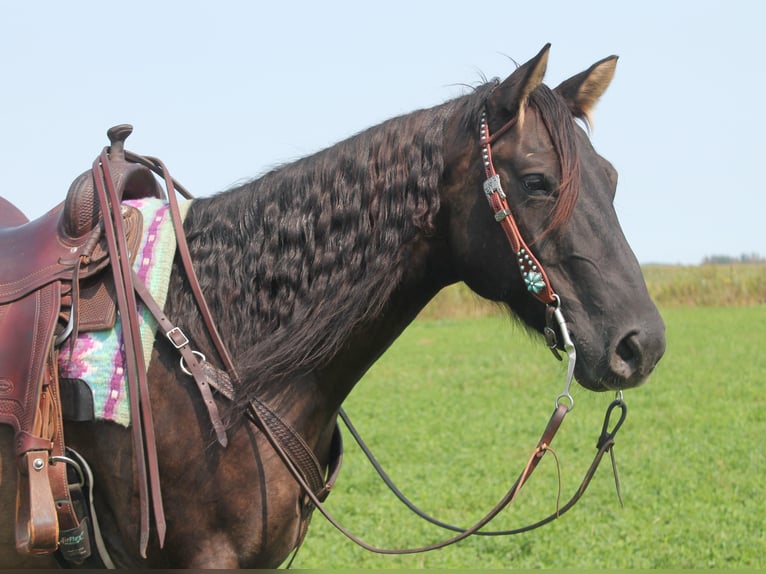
point(326, 261)
point(427, 272)
point(311, 397)
point(311, 401)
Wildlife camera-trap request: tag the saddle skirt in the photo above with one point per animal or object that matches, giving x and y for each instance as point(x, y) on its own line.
point(98, 357)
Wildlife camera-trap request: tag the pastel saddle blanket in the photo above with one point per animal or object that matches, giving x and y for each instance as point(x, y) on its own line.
point(98, 357)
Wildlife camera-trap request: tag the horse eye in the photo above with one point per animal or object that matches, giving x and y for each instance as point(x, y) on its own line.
point(535, 184)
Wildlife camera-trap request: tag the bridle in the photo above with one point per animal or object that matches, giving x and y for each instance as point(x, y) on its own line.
point(532, 272)
point(291, 448)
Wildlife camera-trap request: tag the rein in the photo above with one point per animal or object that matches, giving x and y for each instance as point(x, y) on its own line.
point(604, 444)
point(292, 449)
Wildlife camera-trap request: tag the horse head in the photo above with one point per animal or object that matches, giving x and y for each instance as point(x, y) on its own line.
point(560, 193)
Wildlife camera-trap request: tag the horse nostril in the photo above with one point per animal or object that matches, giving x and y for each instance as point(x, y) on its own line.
point(626, 360)
point(628, 348)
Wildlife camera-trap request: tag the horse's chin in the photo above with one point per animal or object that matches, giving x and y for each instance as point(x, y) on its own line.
point(608, 381)
point(604, 385)
point(618, 363)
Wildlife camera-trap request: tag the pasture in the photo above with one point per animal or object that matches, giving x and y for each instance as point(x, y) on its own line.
point(454, 408)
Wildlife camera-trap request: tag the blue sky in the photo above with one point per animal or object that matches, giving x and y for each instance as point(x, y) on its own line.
point(224, 90)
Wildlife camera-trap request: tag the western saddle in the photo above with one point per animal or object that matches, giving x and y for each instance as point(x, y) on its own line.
point(53, 284)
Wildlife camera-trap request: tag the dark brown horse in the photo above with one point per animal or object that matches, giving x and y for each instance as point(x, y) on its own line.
point(313, 270)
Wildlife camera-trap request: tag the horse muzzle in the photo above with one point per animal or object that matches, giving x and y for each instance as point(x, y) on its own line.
point(629, 360)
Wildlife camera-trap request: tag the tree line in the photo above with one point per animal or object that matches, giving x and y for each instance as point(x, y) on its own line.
point(728, 259)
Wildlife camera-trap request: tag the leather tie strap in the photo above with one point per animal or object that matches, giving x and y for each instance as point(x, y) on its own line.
point(190, 361)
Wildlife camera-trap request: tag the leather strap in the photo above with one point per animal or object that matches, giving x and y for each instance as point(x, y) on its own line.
point(183, 251)
point(543, 445)
point(144, 442)
point(532, 271)
point(182, 344)
point(603, 445)
point(37, 527)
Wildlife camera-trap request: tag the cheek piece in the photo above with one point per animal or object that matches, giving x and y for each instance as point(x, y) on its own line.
point(532, 271)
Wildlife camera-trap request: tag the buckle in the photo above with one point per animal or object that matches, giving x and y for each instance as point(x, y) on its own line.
point(177, 337)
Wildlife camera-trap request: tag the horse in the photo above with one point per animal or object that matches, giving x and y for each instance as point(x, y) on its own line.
point(312, 270)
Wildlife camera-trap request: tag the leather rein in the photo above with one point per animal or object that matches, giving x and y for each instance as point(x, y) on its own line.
point(292, 449)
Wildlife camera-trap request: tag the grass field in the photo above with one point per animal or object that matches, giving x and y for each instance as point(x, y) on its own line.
point(456, 405)
point(707, 285)
point(673, 286)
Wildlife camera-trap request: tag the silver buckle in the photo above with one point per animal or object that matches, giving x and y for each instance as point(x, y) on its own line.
point(173, 333)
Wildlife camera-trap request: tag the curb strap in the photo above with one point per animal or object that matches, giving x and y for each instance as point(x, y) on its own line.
point(551, 339)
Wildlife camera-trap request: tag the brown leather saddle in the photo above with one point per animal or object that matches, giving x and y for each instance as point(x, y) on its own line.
point(53, 284)
point(71, 271)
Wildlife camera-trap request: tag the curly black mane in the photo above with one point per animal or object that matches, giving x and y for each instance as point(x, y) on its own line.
point(293, 261)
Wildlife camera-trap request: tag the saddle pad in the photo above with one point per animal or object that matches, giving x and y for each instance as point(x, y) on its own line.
point(98, 357)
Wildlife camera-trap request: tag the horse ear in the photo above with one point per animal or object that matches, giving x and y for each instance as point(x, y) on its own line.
point(581, 92)
point(512, 93)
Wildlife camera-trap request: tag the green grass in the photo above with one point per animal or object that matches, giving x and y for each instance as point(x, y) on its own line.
point(455, 406)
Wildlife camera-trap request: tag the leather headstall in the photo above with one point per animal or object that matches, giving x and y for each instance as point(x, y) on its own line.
point(535, 278)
